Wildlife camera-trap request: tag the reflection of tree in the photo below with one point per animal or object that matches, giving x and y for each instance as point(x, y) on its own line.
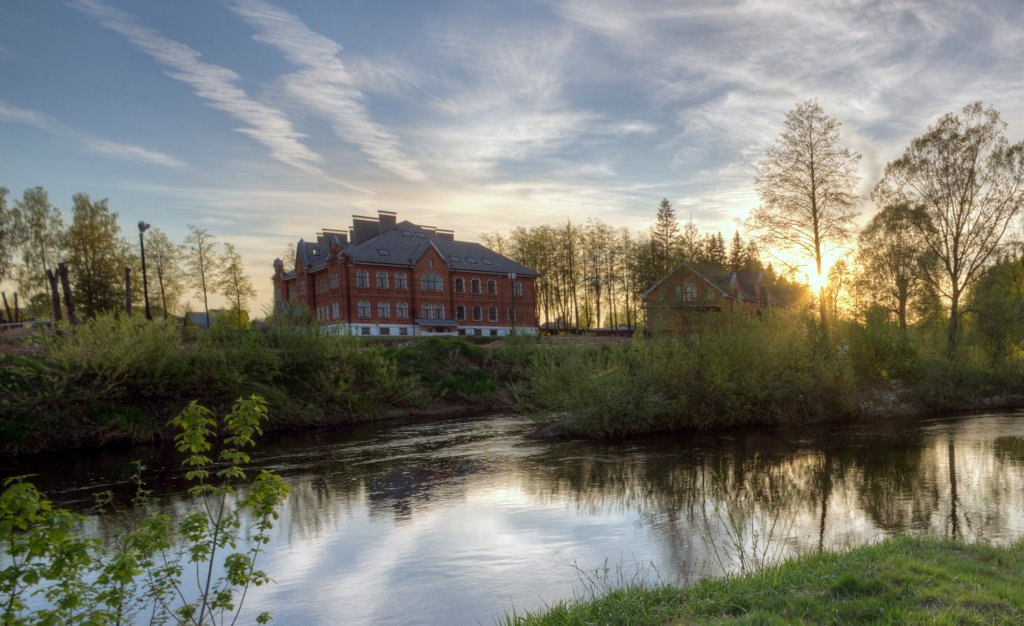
point(711, 502)
point(899, 486)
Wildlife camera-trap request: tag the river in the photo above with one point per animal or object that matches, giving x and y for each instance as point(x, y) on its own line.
point(464, 521)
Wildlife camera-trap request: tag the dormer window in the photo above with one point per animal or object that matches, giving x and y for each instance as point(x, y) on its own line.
point(315, 251)
point(471, 259)
point(407, 233)
point(486, 261)
point(421, 234)
point(383, 252)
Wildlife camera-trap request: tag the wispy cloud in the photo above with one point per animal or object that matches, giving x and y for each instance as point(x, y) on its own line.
point(133, 153)
point(16, 115)
point(43, 122)
point(215, 84)
point(509, 100)
point(326, 86)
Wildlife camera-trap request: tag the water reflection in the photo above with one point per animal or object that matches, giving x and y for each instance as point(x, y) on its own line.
point(456, 522)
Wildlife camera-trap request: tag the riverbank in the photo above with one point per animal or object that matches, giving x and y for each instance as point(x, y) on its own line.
point(120, 380)
point(904, 580)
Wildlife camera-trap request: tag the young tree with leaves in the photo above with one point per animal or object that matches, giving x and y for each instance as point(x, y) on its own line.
point(39, 226)
point(202, 263)
point(807, 184)
point(894, 261)
point(965, 182)
point(234, 284)
point(96, 256)
point(166, 260)
point(7, 237)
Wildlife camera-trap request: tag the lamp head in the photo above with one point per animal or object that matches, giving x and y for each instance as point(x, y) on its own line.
point(143, 226)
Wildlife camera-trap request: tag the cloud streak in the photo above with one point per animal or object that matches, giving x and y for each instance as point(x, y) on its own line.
point(326, 86)
point(215, 84)
point(123, 151)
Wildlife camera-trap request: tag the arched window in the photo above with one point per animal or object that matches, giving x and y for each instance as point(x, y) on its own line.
point(438, 311)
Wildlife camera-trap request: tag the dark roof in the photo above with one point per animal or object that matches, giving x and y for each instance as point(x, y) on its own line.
point(719, 278)
point(404, 244)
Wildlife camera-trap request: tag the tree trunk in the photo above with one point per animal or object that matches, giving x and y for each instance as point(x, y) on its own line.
point(54, 294)
point(954, 324)
point(128, 290)
point(7, 308)
point(69, 302)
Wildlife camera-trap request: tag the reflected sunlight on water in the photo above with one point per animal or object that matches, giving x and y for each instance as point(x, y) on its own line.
point(460, 521)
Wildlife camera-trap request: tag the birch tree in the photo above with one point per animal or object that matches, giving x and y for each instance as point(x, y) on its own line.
point(166, 260)
point(234, 285)
point(807, 184)
point(202, 263)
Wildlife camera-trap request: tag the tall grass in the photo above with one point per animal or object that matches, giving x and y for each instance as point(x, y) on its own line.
point(774, 369)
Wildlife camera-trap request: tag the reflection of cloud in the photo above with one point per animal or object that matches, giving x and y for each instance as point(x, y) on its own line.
point(215, 84)
point(325, 85)
point(41, 121)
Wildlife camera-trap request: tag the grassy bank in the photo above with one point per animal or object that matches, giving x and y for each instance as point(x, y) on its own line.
point(905, 580)
point(778, 369)
point(121, 379)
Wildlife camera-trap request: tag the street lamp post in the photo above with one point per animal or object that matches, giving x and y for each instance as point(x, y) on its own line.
point(145, 285)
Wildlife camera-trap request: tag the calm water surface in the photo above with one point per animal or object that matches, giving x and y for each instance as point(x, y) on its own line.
point(460, 522)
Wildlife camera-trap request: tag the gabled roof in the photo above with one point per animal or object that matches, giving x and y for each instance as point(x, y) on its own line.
point(722, 280)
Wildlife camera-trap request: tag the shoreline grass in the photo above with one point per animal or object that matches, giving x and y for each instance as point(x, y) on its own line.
point(114, 379)
point(902, 580)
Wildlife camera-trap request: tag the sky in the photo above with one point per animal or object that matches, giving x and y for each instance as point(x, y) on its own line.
point(266, 121)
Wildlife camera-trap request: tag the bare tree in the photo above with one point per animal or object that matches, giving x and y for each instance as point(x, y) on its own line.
point(202, 263)
point(965, 183)
point(807, 184)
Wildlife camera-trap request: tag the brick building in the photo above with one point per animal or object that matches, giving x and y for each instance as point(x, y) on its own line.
point(688, 296)
point(385, 277)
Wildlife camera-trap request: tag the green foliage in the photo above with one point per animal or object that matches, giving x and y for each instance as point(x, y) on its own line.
point(96, 255)
point(770, 370)
point(141, 568)
point(879, 350)
point(448, 367)
point(998, 303)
